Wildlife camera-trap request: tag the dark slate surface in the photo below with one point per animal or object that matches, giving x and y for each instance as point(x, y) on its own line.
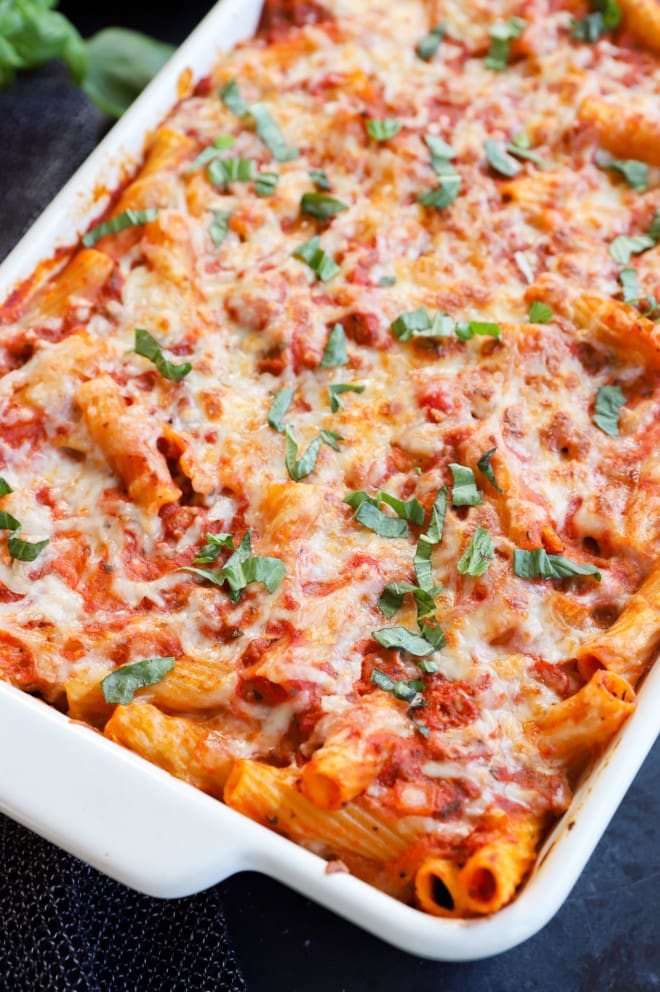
point(605, 938)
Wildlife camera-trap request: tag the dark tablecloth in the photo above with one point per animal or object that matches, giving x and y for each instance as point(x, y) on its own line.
point(65, 927)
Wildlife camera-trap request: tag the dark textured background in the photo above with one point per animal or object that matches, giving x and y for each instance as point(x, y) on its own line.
point(64, 927)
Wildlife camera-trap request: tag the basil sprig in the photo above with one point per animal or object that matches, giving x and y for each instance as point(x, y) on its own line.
point(474, 560)
point(540, 565)
point(127, 218)
point(121, 685)
point(334, 353)
point(321, 264)
point(464, 491)
point(215, 543)
point(280, 405)
point(500, 36)
point(609, 400)
point(148, 347)
point(486, 468)
point(243, 568)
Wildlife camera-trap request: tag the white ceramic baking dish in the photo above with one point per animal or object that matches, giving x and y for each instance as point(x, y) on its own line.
point(160, 836)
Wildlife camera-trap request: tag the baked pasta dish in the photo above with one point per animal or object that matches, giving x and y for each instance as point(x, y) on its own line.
point(330, 467)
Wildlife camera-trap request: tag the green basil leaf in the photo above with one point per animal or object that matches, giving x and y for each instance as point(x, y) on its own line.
point(383, 129)
point(408, 510)
point(540, 313)
point(219, 228)
point(120, 64)
point(634, 172)
point(442, 195)
point(387, 281)
point(391, 598)
point(269, 132)
point(300, 468)
point(539, 564)
point(428, 45)
point(437, 521)
point(215, 543)
point(217, 578)
point(500, 36)
point(334, 353)
point(499, 160)
point(433, 633)
point(127, 218)
point(401, 639)
point(341, 387)
point(148, 347)
point(475, 558)
point(417, 323)
point(266, 183)
point(5, 488)
point(121, 685)
point(210, 152)
point(465, 331)
point(424, 731)
point(25, 550)
point(331, 438)
point(609, 401)
point(230, 170)
point(433, 535)
point(654, 229)
point(232, 99)
point(439, 149)
point(324, 267)
point(380, 523)
point(606, 17)
point(520, 148)
point(486, 468)
point(406, 691)
point(464, 491)
point(629, 285)
point(268, 571)
point(623, 247)
point(356, 499)
point(8, 521)
point(320, 205)
point(279, 406)
point(320, 179)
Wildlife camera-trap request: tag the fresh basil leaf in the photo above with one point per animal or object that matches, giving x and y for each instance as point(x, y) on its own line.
point(268, 571)
point(320, 205)
point(437, 521)
point(232, 99)
point(320, 179)
point(127, 218)
point(433, 633)
point(387, 281)
point(230, 170)
point(424, 731)
point(324, 267)
point(32, 34)
point(148, 347)
point(219, 228)
point(442, 196)
point(217, 578)
point(121, 685)
point(465, 330)
point(5, 488)
point(334, 353)
point(380, 523)
point(629, 285)
point(391, 598)
point(654, 229)
point(539, 564)
point(408, 510)
point(269, 132)
point(22, 550)
point(266, 183)
point(211, 151)
point(401, 639)
point(300, 468)
point(609, 401)
point(439, 149)
point(407, 691)
point(331, 438)
point(356, 499)
point(418, 323)
point(486, 468)
point(540, 313)
point(520, 148)
point(464, 491)
point(341, 387)
point(215, 543)
point(120, 64)
point(499, 160)
point(427, 46)
point(623, 247)
point(500, 36)
point(606, 17)
point(634, 172)
point(8, 521)
point(383, 130)
point(280, 405)
point(433, 535)
point(475, 558)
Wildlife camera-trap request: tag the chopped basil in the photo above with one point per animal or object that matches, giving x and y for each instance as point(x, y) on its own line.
point(380, 523)
point(334, 353)
point(25, 550)
point(279, 406)
point(383, 129)
point(148, 347)
point(442, 195)
point(418, 323)
point(606, 17)
point(499, 160)
point(300, 468)
point(540, 565)
point(243, 568)
point(269, 132)
point(210, 152)
point(387, 281)
point(320, 179)
point(320, 205)
point(427, 46)
point(408, 509)
point(434, 634)
point(336, 389)
point(634, 172)
point(629, 285)
point(215, 543)
point(475, 558)
point(401, 639)
point(464, 491)
point(609, 401)
point(486, 468)
point(120, 686)
point(266, 183)
point(5, 488)
point(654, 229)
point(433, 535)
point(322, 264)
point(232, 99)
point(467, 329)
point(519, 147)
point(331, 438)
point(500, 36)
point(391, 600)
point(424, 731)
point(540, 313)
point(8, 521)
point(407, 691)
point(623, 247)
point(228, 170)
point(369, 514)
point(441, 152)
point(219, 228)
point(127, 218)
